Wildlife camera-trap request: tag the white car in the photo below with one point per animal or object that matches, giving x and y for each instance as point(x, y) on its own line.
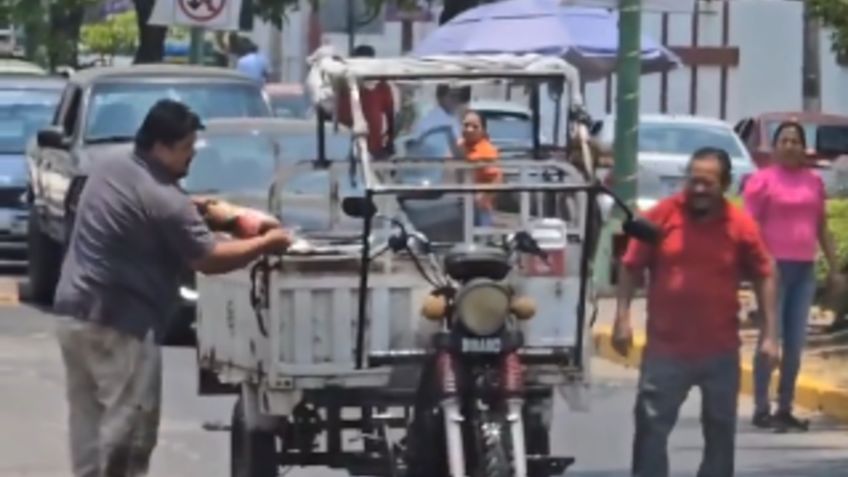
point(666, 142)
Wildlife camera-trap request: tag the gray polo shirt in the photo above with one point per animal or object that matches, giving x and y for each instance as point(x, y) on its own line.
point(134, 234)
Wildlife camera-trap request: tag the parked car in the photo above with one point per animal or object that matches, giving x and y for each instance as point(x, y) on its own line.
point(27, 103)
point(236, 161)
point(289, 100)
point(97, 118)
point(12, 64)
point(757, 133)
point(666, 142)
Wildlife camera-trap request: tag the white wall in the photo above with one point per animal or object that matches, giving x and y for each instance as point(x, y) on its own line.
point(769, 35)
point(834, 80)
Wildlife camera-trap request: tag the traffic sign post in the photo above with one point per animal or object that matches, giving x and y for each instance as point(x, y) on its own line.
point(206, 14)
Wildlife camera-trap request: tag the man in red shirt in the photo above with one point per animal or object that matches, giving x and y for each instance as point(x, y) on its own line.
point(707, 247)
point(378, 107)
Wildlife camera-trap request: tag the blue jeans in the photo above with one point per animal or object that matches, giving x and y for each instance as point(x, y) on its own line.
point(796, 290)
point(664, 384)
point(483, 217)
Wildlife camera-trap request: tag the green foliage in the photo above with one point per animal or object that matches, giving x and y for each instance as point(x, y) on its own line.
point(51, 27)
point(118, 34)
point(833, 14)
point(837, 220)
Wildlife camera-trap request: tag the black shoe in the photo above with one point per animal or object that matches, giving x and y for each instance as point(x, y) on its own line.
point(786, 422)
point(763, 420)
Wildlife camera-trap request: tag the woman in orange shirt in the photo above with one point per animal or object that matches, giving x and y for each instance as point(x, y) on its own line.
point(478, 149)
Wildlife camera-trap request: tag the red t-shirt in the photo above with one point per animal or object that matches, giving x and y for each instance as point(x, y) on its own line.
point(694, 276)
point(376, 104)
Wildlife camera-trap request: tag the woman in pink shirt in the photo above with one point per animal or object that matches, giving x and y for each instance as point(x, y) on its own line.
point(787, 199)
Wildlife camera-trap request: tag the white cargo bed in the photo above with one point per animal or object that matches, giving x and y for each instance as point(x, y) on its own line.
point(311, 323)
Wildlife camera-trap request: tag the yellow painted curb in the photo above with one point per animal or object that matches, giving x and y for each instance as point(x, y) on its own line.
point(810, 393)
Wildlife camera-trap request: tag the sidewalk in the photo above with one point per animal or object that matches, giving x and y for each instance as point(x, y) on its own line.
point(822, 385)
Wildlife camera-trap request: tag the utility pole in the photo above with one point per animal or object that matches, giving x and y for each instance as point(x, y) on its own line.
point(196, 46)
point(811, 89)
point(627, 99)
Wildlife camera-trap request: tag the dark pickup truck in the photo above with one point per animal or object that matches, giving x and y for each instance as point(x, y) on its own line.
point(96, 119)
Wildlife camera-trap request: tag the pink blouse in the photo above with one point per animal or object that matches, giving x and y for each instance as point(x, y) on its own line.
point(789, 205)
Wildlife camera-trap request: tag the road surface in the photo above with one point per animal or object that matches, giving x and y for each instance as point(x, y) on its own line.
point(32, 422)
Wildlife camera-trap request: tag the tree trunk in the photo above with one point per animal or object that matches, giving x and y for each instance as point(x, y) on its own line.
point(151, 38)
point(65, 26)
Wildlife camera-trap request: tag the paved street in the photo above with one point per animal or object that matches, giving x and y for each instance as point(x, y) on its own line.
point(32, 427)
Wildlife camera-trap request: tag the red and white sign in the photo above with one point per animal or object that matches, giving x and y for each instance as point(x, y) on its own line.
point(210, 14)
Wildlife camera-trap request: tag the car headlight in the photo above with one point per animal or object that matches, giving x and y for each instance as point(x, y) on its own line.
point(483, 307)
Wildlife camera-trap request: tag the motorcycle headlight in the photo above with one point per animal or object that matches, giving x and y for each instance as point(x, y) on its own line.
point(188, 294)
point(483, 308)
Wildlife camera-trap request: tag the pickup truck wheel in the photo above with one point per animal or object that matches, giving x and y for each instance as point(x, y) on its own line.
point(44, 264)
point(252, 453)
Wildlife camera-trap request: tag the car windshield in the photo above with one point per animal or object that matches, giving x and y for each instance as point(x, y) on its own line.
point(683, 139)
point(22, 114)
point(291, 106)
point(509, 129)
point(117, 109)
point(226, 163)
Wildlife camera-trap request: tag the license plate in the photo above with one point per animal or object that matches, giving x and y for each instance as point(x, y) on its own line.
point(482, 345)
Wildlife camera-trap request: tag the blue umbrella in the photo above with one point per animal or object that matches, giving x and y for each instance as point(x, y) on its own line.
point(586, 37)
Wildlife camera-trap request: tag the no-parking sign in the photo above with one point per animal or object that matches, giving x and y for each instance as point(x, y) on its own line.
point(211, 14)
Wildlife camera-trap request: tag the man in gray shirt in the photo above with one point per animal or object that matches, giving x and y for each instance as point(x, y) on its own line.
point(135, 231)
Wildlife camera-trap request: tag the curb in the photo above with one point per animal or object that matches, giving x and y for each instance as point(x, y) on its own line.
point(810, 393)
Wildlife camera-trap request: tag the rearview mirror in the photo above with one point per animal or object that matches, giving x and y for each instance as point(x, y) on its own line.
point(359, 207)
point(832, 140)
point(642, 230)
point(52, 137)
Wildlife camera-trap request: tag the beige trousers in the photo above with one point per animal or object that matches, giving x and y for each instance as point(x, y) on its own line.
point(114, 392)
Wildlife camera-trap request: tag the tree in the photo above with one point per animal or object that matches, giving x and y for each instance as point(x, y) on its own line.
point(117, 34)
point(833, 14)
point(52, 29)
point(151, 38)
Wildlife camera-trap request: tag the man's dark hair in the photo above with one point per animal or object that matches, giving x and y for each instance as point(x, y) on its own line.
point(364, 51)
point(719, 155)
point(167, 122)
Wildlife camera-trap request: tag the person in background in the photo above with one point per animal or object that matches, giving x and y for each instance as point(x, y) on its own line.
point(378, 107)
point(706, 246)
point(787, 199)
point(135, 234)
point(477, 149)
point(253, 63)
point(444, 113)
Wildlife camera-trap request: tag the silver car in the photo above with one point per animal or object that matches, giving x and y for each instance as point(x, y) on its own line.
point(27, 103)
point(666, 142)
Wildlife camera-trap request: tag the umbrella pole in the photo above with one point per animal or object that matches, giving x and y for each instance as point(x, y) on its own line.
point(627, 99)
